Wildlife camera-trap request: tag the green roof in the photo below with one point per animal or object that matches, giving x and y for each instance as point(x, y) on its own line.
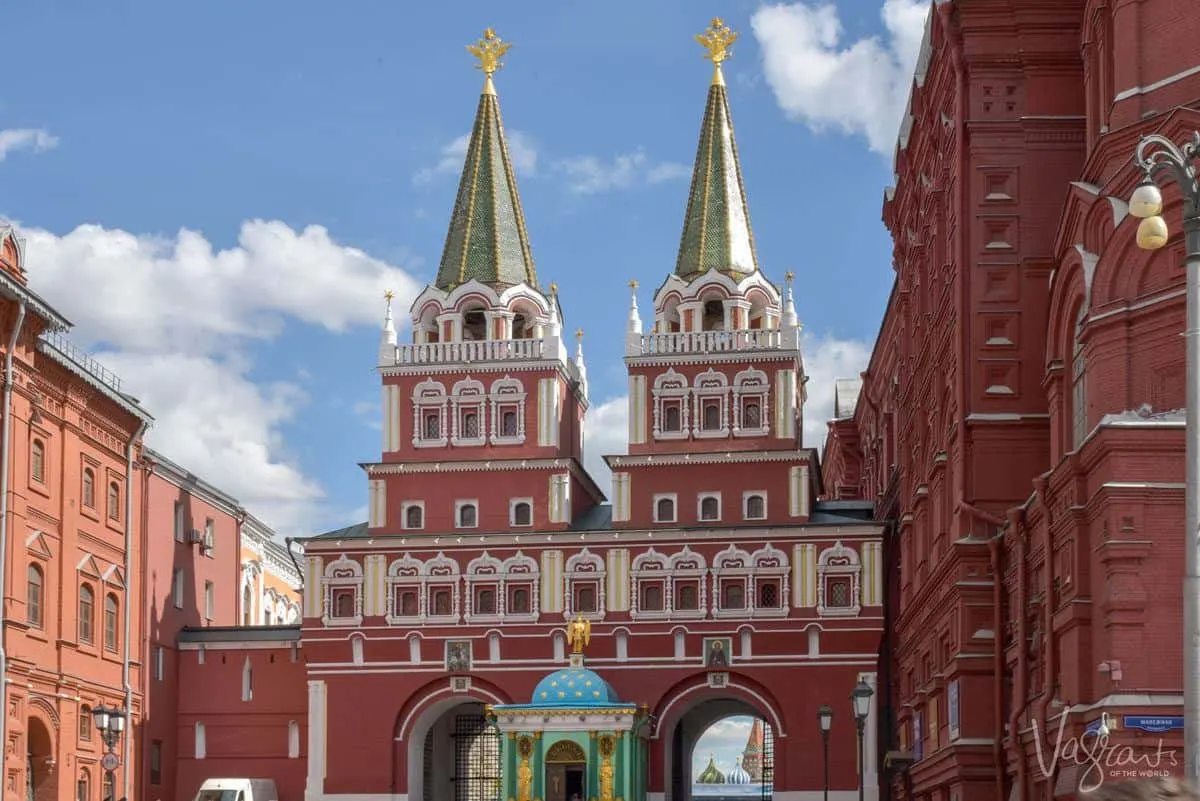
point(487, 240)
point(716, 227)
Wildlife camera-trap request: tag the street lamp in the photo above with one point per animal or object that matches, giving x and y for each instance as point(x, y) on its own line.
point(861, 696)
point(1156, 155)
point(110, 722)
point(825, 721)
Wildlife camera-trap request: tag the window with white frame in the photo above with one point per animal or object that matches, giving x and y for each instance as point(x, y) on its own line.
point(708, 507)
point(664, 508)
point(751, 393)
point(520, 512)
point(484, 587)
point(754, 505)
point(343, 593)
point(441, 590)
point(521, 580)
point(467, 401)
point(177, 587)
point(180, 522)
point(710, 393)
point(650, 585)
point(430, 403)
point(770, 585)
point(671, 407)
point(413, 516)
point(839, 579)
point(507, 399)
point(466, 514)
point(405, 599)
point(731, 582)
point(753, 585)
point(688, 570)
point(585, 579)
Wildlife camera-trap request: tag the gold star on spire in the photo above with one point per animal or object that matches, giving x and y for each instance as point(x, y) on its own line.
point(633, 284)
point(388, 295)
point(789, 276)
point(488, 50)
point(579, 334)
point(554, 289)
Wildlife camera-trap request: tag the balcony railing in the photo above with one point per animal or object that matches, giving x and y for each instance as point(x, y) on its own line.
point(488, 350)
point(711, 341)
point(83, 361)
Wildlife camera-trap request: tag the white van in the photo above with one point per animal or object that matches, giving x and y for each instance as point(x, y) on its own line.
point(238, 790)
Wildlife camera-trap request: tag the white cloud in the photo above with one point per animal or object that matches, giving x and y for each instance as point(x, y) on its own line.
point(606, 428)
point(32, 139)
point(858, 87)
point(588, 175)
point(521, 150)
point(172, 316)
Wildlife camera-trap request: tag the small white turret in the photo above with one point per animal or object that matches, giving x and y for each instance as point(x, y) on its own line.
point(633, 329)
point(579, 364)
point(555, 348)
point(789, 322)
point(387, 337)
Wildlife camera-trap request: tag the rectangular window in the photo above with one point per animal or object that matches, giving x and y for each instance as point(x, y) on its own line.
point(177, 588)
point(210, 599)
point(209, 538)
point(159, 658)
point(179, 520)
point(156, 762)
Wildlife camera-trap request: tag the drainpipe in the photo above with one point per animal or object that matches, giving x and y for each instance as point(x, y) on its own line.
point(148, 465)
point(5, 449)
point(239, 613)
point(128, 622)
point(1021, 680)
point(1049, 647)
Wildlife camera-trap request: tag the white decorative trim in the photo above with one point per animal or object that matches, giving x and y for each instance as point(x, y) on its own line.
point(835, 561)
point(734, 564)
point(505, 392)
point(688, 566)
point(442, 572)
point(403, 574)
point(708, 388)
point(343, 574)
point(751, 385)
point(722, 458)
point(746, 496)
point(708, 496)
point(460, 506)
point(405, 506)
point(485, 572)
point(589, 567)
point(467, 398)
point(429, 400)
point(521, 570)
point(665, 496)
point(670, 390)
point(647, 567)
point(512, 511)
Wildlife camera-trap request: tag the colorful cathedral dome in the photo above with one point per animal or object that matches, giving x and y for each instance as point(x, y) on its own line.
point(738, 775)
point(711, 775)
point(574, 687)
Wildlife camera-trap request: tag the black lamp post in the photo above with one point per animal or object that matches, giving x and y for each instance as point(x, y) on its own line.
point(861, 696)
point(110, 722)
point(825, 721)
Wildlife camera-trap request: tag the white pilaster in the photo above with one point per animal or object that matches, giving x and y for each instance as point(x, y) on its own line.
point(314, 788)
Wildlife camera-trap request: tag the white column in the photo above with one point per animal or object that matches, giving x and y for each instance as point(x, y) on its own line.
point(314, 788)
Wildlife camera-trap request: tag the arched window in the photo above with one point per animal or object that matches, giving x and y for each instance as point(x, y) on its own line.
point(712, 416)
point(1079, 411)
point(110, 622)
point(508, 424)
point(652, 598)
point(109, 791)
point(247, 603)
point(522, 514)
point(345, 605)
point(470, 425)
point(756, 508)
point(671, 418)
point(413, 517)
point(114, 501)
point(83, 787)
point(37, 461)
point(710, 509)
point(87, 613)
point(751, 415)
point(664, 510)
point(89, 488)
point(467, 517)
point(33, 596)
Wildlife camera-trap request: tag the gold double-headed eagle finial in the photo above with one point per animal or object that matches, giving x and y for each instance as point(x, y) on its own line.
point(489, 51)
point(717, 42)
point(789, 276)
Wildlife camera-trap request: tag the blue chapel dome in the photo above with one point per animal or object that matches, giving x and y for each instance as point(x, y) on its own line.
point(573, 686)
point(738, 775)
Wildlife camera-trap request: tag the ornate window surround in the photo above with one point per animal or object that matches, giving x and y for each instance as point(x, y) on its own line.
point(751, 383)
point(687, 565)
point(649, 566)
point(441, 571)
point(585, 566)
point(770, 563)
point(708, 386)
point(468, 395)
point(839, 560)
point(485, 570)
point(731, 564)
point(429, 396)
point(746, 496)
point(521, 570)
point(507, 391)
point(671, 386)
point(343, 573)
point(404, 573)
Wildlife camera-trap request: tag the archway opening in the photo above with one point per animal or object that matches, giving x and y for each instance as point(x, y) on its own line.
point(41, 771)
point(454, 755)
point(722, 750)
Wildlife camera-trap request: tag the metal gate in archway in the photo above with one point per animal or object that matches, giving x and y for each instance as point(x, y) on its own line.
point(477, 766)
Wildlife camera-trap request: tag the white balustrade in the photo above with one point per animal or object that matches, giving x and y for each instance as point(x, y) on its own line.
point(487, 350)
point(711, 341)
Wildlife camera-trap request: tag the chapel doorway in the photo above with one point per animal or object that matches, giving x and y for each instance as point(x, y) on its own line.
point(566, 772)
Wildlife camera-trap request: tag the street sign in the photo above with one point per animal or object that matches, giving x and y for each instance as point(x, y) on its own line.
point(110, 762)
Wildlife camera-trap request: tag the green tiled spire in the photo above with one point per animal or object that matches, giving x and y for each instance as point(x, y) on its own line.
point(487, 240)
point(716, 227)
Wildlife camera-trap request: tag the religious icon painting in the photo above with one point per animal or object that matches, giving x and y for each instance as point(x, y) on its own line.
point(458, 656)
point(718, 651)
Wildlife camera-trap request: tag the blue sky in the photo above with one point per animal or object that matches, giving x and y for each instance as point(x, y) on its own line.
point(218, 194)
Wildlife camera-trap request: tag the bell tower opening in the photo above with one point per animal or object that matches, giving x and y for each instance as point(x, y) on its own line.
point(474, 326)
point(714, 316)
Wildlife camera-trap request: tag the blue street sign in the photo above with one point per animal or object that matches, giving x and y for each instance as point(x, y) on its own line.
point(1153, 725)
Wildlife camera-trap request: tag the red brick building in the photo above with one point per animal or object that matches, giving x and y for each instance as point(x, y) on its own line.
point(710, 591)
point(1017, 423)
